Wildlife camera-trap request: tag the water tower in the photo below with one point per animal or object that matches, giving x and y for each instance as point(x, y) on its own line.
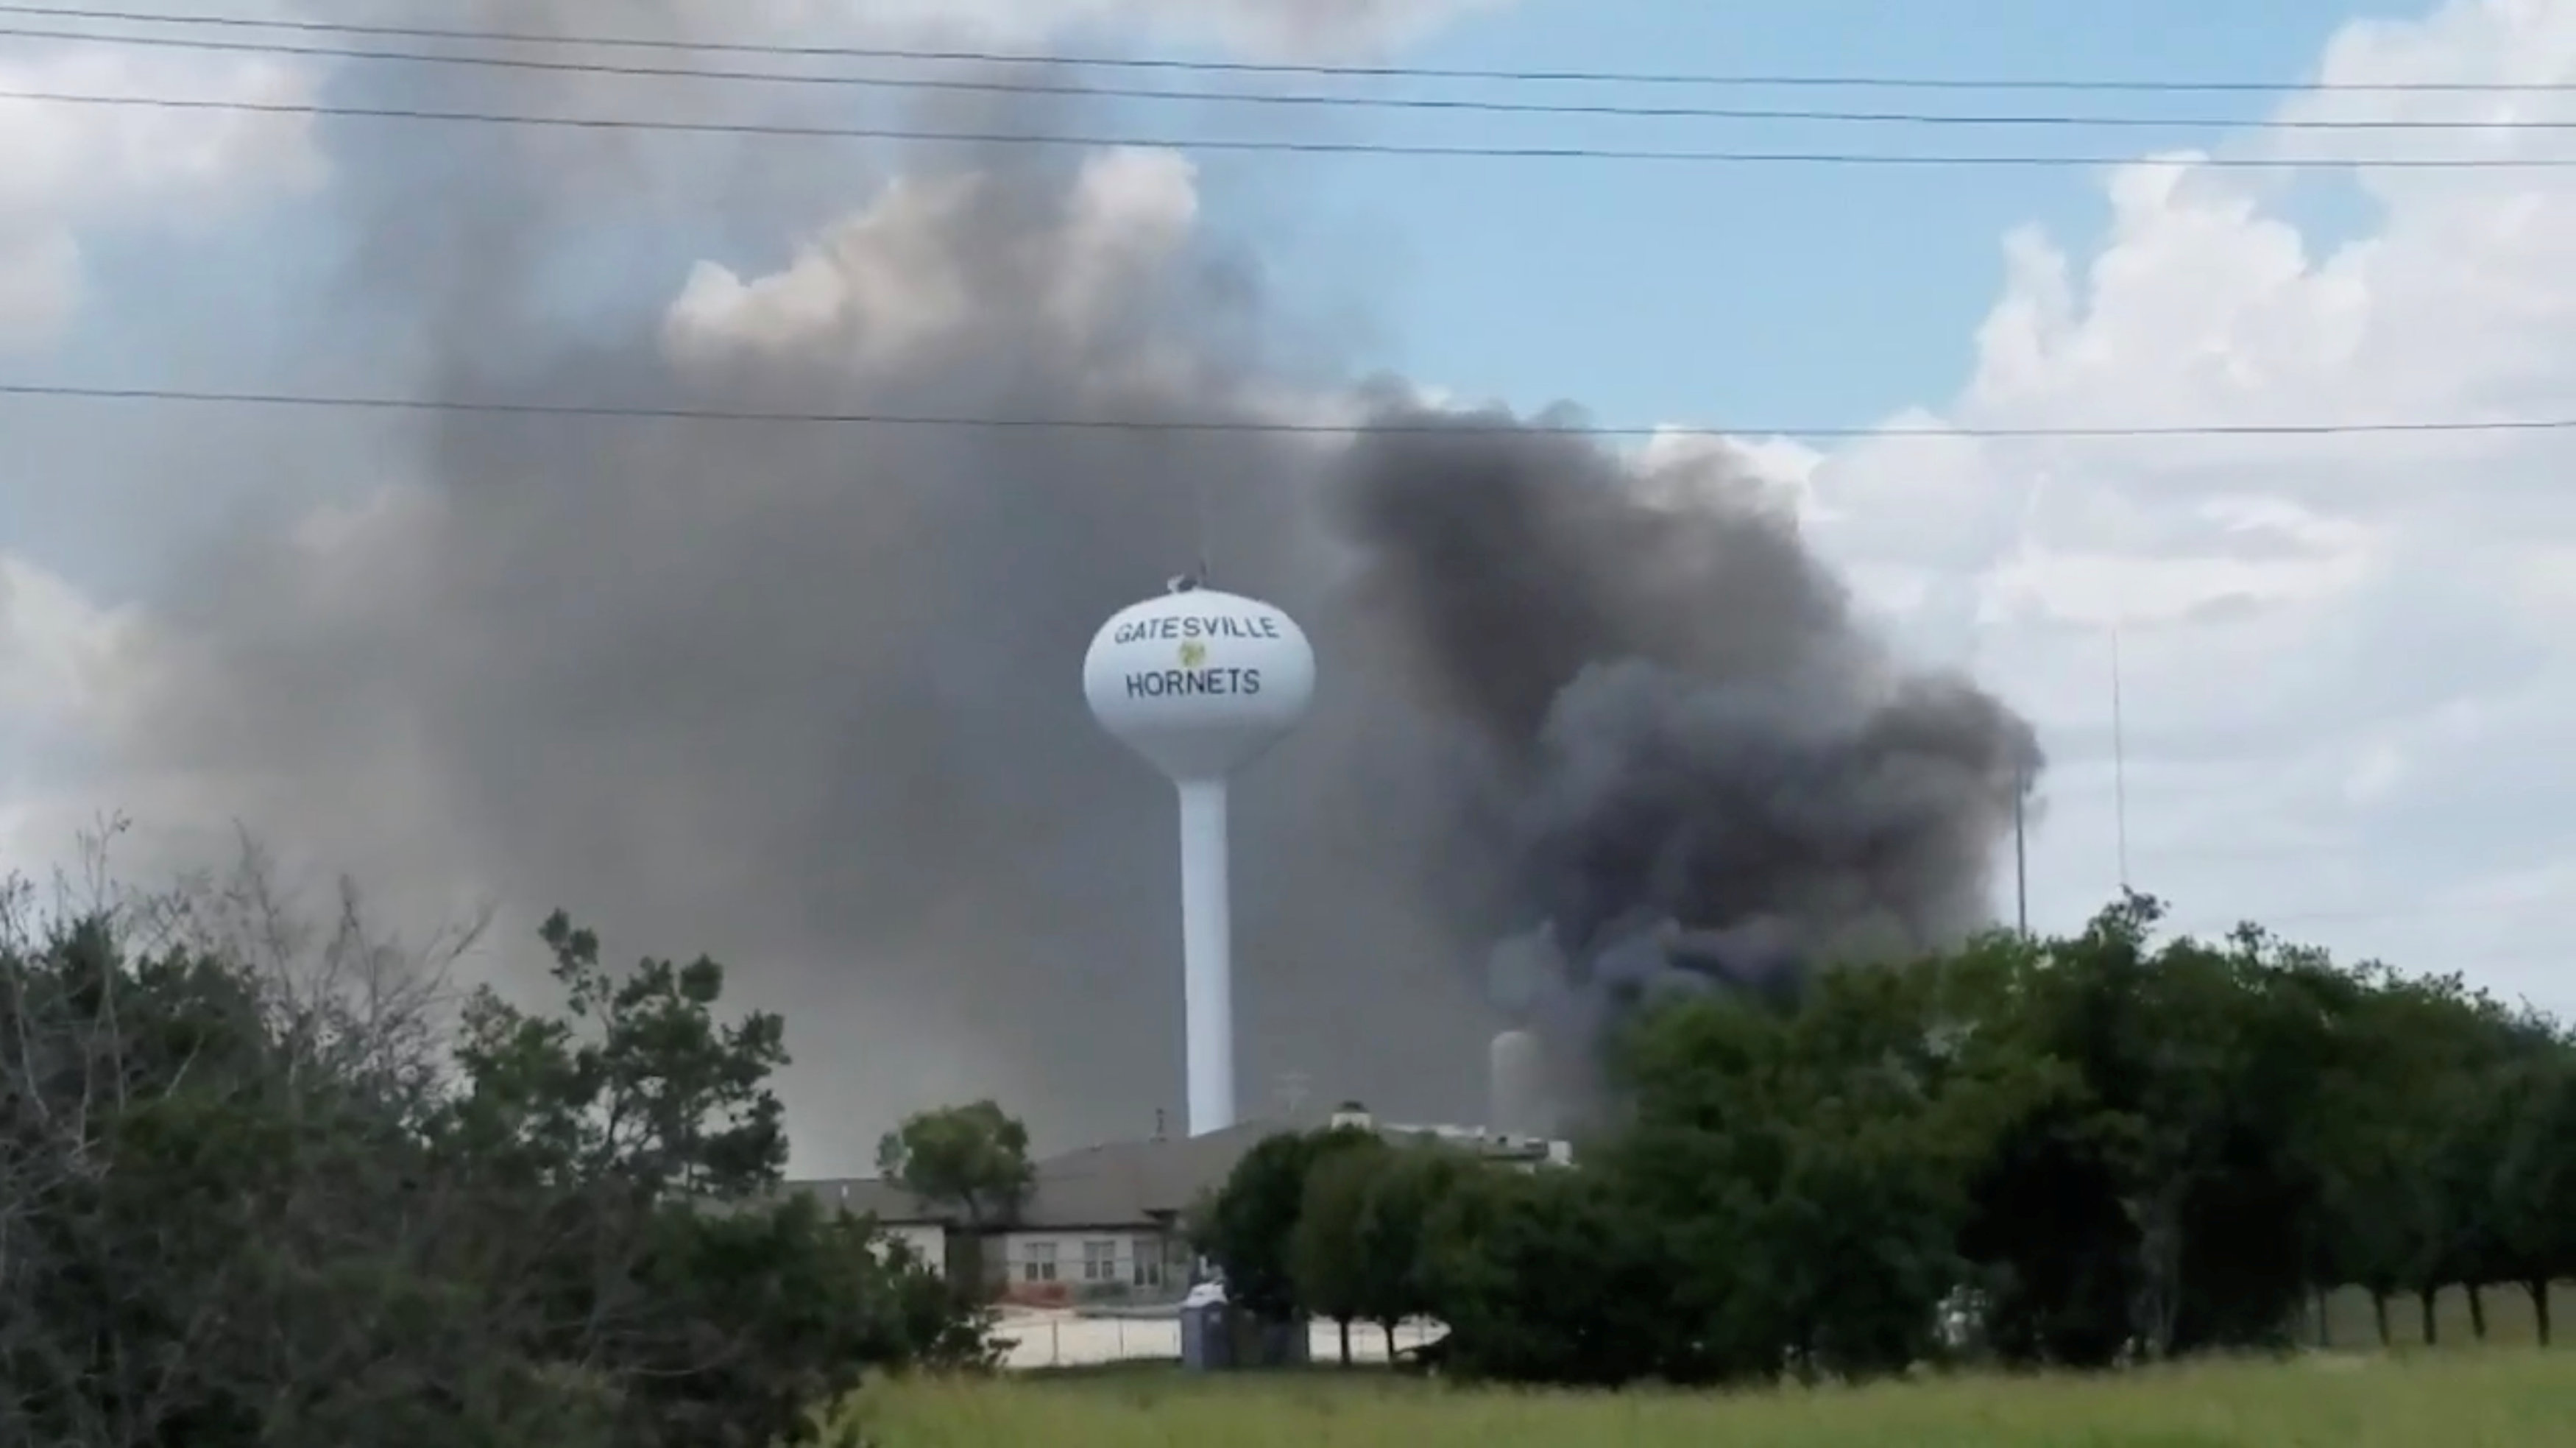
point(1201, 683)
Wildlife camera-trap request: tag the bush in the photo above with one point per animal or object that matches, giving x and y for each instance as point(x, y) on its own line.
point(261, 1201)
point(2078, 1151)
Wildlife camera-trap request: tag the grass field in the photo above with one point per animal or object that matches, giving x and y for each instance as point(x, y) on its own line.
point(2490, 1399)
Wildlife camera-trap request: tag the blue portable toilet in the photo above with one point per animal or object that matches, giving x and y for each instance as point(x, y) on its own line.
point(1207, 1320)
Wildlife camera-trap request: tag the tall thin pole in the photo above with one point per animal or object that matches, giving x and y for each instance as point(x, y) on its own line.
point(1207, 957)
point(2119, 763)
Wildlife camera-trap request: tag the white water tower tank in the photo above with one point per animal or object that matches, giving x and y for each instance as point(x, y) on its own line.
point(1201, 683)
point(1518, 1068)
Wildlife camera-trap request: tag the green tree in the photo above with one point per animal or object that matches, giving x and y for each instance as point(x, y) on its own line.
point(2534, 1180)
point(257, 1199)
point(1326, 1252)
point(1809, 1170)
point(637, 1084)
point(1405, 1192)
point(1249, 1228)
point(973, 1157)
point(759, 1317)
point(2232, 1044)
point(628, 1155)
point(2171, 1200)
point(2356, 1140)
point(2444, 1060)
point(1552, 1277)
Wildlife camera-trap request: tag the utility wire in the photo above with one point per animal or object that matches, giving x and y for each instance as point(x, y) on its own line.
point(1282, 68)
point(1461, 423)
point(1305, 100)
point(1723, 157)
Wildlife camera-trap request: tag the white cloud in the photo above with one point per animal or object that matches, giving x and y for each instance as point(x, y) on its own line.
point(2343, 675)
point(888, 283)
point(886, 290)
point(66, 168)
point(59, 656)
point(55, 647)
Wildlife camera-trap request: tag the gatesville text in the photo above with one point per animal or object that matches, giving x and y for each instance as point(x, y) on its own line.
point(1195, 626)
point(1165, 683)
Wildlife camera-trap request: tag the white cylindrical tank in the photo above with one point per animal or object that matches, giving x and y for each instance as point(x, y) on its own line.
point(1199, 682)
point(1518, 1068)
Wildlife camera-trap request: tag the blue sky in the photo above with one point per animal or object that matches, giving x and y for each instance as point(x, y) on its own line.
point(1824, 296)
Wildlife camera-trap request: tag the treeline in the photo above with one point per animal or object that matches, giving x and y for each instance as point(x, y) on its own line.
point(2072, 1152)
point(265, 1186)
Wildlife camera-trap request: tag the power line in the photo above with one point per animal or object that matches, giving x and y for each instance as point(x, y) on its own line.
point(1307, 100)
point(1304, 147)
point(1744, 80)
point(1468, 423)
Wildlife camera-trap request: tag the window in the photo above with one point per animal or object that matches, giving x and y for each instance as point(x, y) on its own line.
point(1149, 1263)
point(1038, 1263)
point(1099, 1261)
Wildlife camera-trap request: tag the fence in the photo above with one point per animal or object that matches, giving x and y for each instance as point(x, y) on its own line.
point(1044, 1339)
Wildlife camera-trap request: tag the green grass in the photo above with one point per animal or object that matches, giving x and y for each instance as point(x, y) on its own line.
point(2502, 1398)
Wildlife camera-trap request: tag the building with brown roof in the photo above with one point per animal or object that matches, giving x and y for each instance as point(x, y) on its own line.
point(1107, 1223)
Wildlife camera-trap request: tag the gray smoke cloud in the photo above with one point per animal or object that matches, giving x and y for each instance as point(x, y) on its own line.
point(1703, 773)
point(805, 696)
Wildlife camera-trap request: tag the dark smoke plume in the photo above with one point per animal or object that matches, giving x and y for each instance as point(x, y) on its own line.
point(1702, 773)
point(805, 696)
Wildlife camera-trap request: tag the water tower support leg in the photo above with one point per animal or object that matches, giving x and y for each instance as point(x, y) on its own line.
point(1207, 956)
